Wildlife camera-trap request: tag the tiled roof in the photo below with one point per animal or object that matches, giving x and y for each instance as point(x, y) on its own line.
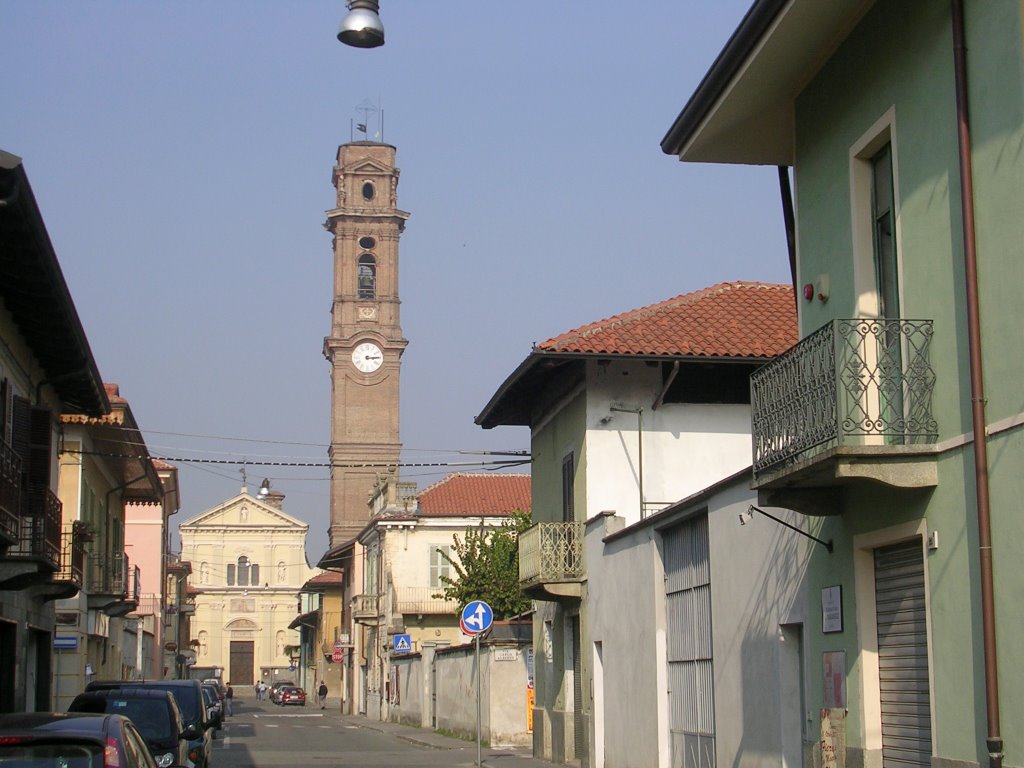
point(325, 579)
point(465, 494)
point(738, 319)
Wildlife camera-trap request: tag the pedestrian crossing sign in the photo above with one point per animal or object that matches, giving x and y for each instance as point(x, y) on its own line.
point(403, 644)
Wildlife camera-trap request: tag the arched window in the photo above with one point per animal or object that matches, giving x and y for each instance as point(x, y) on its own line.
point(243, 571)
point(231, 574)
point(367, 279)
point(368, 190)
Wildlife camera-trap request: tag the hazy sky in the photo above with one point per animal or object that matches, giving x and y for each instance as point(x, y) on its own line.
point(181, 154)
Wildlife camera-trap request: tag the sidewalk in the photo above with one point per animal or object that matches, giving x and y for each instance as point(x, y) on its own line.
point(492, 757)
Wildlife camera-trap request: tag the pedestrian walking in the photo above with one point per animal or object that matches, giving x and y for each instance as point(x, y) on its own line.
point(321, 694)
point(229, 695)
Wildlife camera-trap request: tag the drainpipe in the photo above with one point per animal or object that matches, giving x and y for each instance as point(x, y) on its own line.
point(789, 220)
point(994, 740)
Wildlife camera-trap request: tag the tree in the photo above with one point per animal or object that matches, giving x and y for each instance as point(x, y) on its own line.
point(486, 565)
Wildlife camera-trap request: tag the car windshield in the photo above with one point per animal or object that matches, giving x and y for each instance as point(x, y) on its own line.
point(149, 715)
point(69, 754)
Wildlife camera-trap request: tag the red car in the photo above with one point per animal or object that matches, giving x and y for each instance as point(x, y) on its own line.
point(290, 695)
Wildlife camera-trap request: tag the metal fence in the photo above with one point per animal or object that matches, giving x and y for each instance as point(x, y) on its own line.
point(851, 382)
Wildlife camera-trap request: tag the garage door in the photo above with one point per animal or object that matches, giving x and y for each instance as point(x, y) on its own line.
point(903, 655)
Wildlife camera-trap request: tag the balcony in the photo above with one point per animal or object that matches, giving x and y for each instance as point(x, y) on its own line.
point(132, 595)
point(850, 403)
point(551, 561)
point(422, 601)
point(106, 581)
point(70, 577)
point(35, 556)
point(365, 609)
point(147, 605)
point(10, 495)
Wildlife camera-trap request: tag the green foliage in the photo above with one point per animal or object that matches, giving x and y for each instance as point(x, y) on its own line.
point(486, 566)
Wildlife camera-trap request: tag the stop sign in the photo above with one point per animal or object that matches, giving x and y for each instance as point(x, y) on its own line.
point(336, 656)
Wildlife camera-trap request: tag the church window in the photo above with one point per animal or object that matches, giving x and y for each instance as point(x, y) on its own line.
point(254, 574)
point(231, 574)
point(243, 571)
point(367, 243)
point(368, 190)
point(367, 280)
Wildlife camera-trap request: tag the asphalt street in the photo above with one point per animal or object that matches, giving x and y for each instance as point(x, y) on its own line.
point(265, 735)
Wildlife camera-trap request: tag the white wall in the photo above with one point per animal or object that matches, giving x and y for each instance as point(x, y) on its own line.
point(757, 573)
point(685, 447)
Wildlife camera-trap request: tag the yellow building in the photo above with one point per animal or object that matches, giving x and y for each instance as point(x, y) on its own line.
point(248, 566)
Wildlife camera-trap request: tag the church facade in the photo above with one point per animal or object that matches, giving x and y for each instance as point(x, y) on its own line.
point(248, 566)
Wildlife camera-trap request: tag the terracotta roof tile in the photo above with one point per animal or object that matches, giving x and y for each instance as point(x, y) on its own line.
point(737, 319)
point(325, 579)
point(465, 494)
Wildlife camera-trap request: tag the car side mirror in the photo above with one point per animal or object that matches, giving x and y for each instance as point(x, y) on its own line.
point(191, 733)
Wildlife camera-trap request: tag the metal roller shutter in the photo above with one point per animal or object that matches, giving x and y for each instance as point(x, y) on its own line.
point(903, 655)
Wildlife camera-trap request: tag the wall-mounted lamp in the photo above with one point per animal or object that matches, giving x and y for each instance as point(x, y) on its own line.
point(362, 27)
point(749, 513)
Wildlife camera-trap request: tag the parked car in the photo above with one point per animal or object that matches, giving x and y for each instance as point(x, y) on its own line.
point(275, 690)
point(189, 695)
point(291, 695)
point(213, 707)
point(71, 740)
point(154, 713)
point(218, 685)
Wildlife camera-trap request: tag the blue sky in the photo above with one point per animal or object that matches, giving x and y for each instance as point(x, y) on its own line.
point(181, 154)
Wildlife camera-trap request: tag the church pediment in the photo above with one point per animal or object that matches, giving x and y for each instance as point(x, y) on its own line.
point(367, 165)
point(244, 511)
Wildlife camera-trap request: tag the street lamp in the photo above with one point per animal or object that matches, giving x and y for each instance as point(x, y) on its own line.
point(362, 27)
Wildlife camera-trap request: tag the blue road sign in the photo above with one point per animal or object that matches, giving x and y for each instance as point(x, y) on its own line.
point(476, 617)
point(65, 643)
point(403, 643)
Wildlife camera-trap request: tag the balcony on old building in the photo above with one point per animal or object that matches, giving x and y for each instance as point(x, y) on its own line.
point(551, 561)
point(70, 577)
point(34, 557)
point(423, 601)
point(106, 581)
point(365, 609)
point(851, 403)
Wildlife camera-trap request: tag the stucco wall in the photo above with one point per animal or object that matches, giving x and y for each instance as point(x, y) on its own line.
point(757, 577)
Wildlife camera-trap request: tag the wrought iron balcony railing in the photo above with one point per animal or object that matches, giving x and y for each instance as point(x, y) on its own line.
point(551, 552)
point(148, 605)
point(422, 600)
point(107, 575)
point(10, 493)
point(72, 554)
point(39, 528)
point(851, 382)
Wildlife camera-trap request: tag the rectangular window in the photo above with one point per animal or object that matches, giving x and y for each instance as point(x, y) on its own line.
point(439, 565)
point(884, 232)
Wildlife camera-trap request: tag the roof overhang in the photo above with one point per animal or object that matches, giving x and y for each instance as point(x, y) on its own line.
point(545, 376)
point(310, 619)
point(743, 110)
point(33, 290)
point(339, 556)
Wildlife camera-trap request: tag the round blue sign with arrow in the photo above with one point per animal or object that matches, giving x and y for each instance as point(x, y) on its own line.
point(476, 618)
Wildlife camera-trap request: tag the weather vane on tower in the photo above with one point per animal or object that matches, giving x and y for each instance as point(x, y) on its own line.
point(368, 109)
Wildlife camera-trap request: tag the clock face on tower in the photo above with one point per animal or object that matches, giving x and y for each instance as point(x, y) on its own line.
point(367, 357)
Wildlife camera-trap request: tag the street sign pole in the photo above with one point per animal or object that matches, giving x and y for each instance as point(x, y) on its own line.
point(479, 758)
point(475, 619)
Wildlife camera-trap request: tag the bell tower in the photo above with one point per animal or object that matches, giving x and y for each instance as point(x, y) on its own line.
point(365, 345)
